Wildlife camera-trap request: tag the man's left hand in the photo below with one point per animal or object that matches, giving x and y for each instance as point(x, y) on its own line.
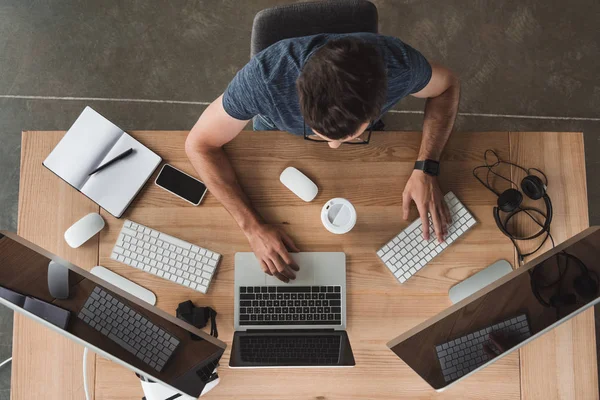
point(425, 191)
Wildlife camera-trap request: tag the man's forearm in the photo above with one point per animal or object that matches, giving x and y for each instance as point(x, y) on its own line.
point(440, 113)
point(217, 173)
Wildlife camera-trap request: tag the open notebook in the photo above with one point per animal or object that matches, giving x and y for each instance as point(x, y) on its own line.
point(91, 141)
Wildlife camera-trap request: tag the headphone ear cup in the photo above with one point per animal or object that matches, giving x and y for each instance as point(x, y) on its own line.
point(585, 287)
point(509, 200)
point(560, 300)
point(533, 187)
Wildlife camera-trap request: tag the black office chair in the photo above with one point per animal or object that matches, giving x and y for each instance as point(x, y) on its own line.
point(304, 19)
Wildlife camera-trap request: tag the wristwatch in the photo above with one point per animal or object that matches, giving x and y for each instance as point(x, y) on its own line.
point(430, 167)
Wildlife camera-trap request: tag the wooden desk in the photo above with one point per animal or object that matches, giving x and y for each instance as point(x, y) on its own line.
point(562, 364)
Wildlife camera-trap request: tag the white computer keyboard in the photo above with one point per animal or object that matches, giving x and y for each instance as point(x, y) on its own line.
point(407, 253)
point(165, 256)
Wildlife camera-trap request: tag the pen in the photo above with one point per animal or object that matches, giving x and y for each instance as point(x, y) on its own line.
point(121, 156)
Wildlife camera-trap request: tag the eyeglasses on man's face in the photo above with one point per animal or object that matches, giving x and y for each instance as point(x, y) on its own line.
point(363, 138)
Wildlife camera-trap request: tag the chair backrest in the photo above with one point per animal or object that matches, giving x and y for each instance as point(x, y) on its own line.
point(311, 18)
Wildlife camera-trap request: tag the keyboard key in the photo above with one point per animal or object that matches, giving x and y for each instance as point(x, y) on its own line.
point(387, 256)
point(206, 275)
point(391, 267)
point(293, 289)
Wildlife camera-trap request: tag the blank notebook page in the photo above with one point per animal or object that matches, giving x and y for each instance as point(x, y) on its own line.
point(82, 147)
point(115, 186)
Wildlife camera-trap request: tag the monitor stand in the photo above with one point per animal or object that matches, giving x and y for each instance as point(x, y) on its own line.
point(478, 281)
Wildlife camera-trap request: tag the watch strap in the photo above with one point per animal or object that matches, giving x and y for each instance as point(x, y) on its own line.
point(430, 167)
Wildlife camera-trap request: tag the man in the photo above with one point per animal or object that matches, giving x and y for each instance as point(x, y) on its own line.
point(333, 87)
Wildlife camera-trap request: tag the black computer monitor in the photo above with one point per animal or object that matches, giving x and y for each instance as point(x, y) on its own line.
point(24, 274)
point(541, 295)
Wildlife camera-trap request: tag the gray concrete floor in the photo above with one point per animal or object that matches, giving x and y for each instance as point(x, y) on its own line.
point(518, 60)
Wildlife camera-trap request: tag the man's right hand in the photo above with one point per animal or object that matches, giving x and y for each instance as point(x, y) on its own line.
point(270, 246)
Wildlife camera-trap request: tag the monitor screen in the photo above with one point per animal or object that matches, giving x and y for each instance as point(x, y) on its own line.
point(191, 355)
point(502, 317)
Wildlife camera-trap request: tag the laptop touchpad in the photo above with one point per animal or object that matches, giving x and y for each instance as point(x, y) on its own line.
point(304, 277)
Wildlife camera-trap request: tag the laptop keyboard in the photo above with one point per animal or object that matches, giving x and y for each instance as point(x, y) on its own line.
point(290, 350)
point(290, 305)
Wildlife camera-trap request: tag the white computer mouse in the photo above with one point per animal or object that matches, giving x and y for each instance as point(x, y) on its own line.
point(299, 184)
point(84, 229)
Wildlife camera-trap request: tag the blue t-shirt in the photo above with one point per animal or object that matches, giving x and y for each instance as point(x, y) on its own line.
point(266, 86)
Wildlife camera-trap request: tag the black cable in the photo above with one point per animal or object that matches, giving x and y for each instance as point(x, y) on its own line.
point(514, 239)
point(537, 286)
point(489, 165)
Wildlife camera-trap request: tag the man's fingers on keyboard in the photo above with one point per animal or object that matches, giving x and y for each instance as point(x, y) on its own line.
point(447, 214)
point(424, 220)
point(443, 214)
point(437, 224)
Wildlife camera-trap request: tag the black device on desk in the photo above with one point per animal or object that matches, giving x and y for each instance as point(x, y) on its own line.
point(107, 320)
point(181, 184)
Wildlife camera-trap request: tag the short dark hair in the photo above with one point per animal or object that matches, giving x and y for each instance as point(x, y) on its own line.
point(341, 86)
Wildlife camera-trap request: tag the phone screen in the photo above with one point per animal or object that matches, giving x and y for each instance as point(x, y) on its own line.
point(181, 184)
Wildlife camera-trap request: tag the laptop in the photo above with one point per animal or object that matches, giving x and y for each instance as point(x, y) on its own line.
point(297, 324)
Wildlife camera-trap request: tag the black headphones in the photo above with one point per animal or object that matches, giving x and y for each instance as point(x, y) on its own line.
point(585, 283)
point(509, 201)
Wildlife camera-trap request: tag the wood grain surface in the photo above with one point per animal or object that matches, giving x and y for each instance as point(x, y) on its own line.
point(372, 177)
point(567, 353)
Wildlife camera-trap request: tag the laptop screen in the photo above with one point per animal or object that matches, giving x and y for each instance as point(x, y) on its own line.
point(183, 362)
point(532, 299)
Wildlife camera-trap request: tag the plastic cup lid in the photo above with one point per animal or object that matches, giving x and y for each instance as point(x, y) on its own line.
point(338, 215)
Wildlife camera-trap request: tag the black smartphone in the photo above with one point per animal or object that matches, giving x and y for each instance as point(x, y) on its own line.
point(181, 184)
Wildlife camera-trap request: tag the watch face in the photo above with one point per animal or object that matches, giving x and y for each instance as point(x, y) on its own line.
point(431, 168)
